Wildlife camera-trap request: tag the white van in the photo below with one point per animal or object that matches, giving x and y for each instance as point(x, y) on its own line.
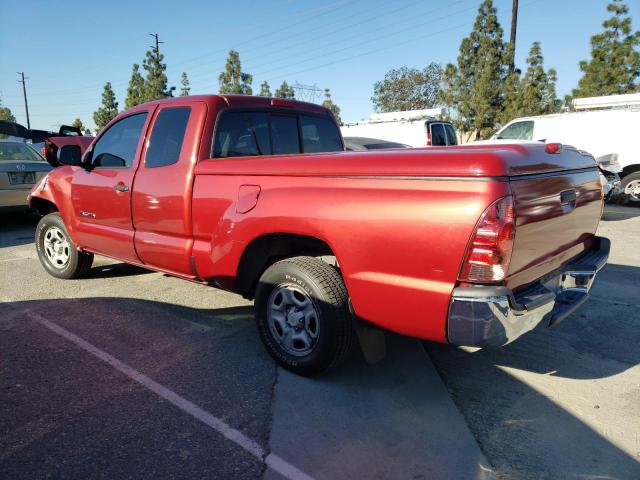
point(416, 128)
point(611, 136)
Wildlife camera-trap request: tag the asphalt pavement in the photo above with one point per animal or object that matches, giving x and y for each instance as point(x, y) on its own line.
point(129, 373)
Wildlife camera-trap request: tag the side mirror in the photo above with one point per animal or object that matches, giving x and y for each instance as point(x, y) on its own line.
point(69, 155)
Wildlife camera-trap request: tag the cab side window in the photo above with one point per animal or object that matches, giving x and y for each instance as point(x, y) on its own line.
point(116, 148)
point(166, 139)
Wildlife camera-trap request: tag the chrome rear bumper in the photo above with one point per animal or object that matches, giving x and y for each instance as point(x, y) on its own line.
point(487, 316)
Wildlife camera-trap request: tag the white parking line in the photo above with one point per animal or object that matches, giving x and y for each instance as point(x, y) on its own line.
point(251, 446)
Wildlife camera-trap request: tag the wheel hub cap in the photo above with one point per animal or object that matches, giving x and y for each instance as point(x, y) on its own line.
point(293, 319)
point(56, 247)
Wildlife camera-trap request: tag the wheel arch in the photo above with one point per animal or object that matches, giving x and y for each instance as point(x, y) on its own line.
point(43, 206)
point(629, 169)
point(269, 248)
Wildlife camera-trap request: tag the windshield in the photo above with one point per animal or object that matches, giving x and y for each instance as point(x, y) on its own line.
point(18, 152)
point(517, 131)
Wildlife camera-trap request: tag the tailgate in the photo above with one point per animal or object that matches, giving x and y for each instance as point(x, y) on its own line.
point(557, 215)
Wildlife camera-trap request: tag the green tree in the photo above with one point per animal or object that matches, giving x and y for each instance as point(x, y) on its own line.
point(408, 89)
point(185, 88)
point(155, 85)
point(136, 88)
point(265, 89)
point(538, 89)
point(78, 124)
point(535, 93)
point(328, 103)
point(6, 114)
point(474, 88)
point(233, 79)
point(614, 67)
point(285, 91)
point(109, 108)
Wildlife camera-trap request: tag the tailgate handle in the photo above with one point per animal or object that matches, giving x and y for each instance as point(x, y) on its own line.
point(568, 196)
point(568, 200)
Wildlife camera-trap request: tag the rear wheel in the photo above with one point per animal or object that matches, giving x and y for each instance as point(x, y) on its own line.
point(303, 316)
point(57, 252)
point(631, 187)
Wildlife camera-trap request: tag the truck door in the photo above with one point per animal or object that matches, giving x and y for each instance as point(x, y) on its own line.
point(101, 196)
point(161, 204)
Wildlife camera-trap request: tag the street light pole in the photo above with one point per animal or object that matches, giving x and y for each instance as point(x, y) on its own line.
point(24, 91)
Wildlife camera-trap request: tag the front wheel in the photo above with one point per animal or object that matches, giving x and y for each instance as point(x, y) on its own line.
point(631, 187)
point(57, 252)
point(302, 312)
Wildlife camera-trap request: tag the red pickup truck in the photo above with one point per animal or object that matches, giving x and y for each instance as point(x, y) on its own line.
point(470, 245)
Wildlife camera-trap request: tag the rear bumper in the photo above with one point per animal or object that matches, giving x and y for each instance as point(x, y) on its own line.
point(15, 197)
point(487, 316)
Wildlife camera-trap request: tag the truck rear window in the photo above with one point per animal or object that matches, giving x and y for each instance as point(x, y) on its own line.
point(246, 133)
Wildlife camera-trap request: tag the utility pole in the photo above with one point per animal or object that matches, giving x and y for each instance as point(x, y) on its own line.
point(514, 25)
point(24, 91)
point(158, 42)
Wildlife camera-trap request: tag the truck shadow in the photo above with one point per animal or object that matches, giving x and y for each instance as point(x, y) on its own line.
point(17, 227)
point(526, 433)
point(115, 270)
point(616, 212)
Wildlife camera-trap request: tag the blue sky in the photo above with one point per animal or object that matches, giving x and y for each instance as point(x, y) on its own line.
point(70, 49)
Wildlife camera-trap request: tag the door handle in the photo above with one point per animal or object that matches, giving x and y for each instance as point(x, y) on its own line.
point(121, 187)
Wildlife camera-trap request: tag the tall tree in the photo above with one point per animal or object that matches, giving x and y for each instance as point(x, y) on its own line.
point(408, 89)
point(265, 89)
point(185, 88)
point(155, 85)
point(538, 90)
point(109, 108)
point(285, 91)
point(233, 79)
point(615, 60)
point(136, 88)
point(328, 103)
point(474, 87)
point(5, 113)
point(78, 124)
point(535, 93)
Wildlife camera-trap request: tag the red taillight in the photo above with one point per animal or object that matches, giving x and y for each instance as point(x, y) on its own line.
point(43, 152)
point(489, 253)
point(428, 139)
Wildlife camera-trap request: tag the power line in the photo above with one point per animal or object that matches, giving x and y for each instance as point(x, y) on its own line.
point(24, 91)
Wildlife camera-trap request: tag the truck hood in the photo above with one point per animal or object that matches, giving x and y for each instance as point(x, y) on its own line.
point(502, 160)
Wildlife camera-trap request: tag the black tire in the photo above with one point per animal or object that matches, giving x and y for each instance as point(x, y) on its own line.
point(325, 289)
point(626, 180)
point(76, 264)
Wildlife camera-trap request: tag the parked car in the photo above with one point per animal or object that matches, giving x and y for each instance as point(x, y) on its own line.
point(416, 128)
point(20, 168)
point(611, 136)
point(475, 245)
point(363, 143)
point(36, 138)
